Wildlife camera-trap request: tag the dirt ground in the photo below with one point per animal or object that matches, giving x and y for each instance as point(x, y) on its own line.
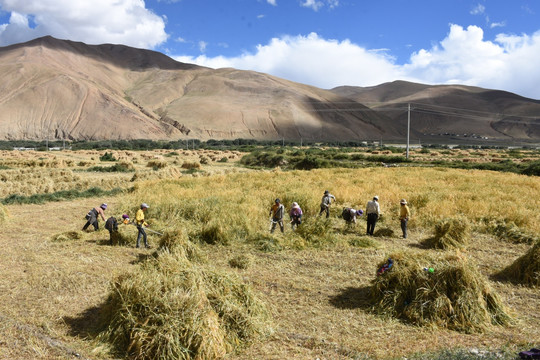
point(318, 298)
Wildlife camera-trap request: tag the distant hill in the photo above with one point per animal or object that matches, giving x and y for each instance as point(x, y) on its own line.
point(452, 111)
point(63, 89)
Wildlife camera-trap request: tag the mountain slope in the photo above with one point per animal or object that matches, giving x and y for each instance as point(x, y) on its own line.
point(452, 109)
point(60, 89)
point(55, 88)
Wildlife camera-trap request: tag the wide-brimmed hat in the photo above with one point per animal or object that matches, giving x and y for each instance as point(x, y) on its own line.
point(403, 201)
point(359, 212)
point(103, 206)
point(376, 197)
point(144, 206)
point(295, 204)
point(125, 216)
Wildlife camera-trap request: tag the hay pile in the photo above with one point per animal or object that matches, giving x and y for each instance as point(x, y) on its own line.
point(454, 296)
point(526, 269)
point(512, 233)
point(172, 308)
point(67, 236)
point(177, 241)
point(450, 233)
point(124, 236)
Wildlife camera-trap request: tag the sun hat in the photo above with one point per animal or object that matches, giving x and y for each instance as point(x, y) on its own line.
point(403, 201)
point(359, 212)
point(295, 205)
point(376, 197)
point(103, 206)
point(125, 216)
point(326, 192)
point(144, 206)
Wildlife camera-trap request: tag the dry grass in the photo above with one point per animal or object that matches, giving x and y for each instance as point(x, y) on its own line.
point(316, 287)
point(450, 233)
point(526, 269)
point(171, 308)
point(454, 296)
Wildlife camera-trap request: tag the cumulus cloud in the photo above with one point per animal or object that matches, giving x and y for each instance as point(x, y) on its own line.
point(98, 21)
point(463, 57)
point(272, 2)
point(312, 60)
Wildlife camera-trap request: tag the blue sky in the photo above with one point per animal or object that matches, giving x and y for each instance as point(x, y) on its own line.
point(326, 43)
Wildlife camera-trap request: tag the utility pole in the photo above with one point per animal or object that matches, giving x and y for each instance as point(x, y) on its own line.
point(408, 129)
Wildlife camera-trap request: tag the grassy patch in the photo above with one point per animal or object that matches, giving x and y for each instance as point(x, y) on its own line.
point(59, 196)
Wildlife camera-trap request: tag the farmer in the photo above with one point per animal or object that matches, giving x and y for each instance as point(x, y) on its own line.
point(276, 211)
point(296, 215)
point(373, 211)
point(326, 202)
point(139, 221)
point(404, 215)
point(92, 217)
point(350, 214)
point(112, 226)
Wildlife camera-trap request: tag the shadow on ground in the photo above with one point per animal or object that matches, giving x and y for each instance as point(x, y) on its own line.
point(352, 298)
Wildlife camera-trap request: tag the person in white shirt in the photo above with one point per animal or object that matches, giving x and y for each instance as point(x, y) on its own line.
point(373, 211)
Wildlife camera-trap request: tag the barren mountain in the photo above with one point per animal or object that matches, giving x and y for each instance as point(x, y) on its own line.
point(63, 89)
point(60, 88)
point(443, 111)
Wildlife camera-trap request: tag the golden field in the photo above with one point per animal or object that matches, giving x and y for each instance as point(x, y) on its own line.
point(315, 282)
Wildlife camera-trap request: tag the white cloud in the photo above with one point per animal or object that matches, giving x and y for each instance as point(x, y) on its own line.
point(94, 22)
point(312, 60)
point(272, 2)
point(497, 24)
point(202, 46)
point(463, 57)
point(478, 9)
point(313, 4)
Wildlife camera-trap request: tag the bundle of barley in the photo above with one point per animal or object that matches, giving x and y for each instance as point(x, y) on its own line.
point(443, 291)
point(511, 232)
point(157, 163)
point(177, 241)
point(526, 269)
point(175, 309)
point(124, 236)
point(66, 236)
point(450, 233)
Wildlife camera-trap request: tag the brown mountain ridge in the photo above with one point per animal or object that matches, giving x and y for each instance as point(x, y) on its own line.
point(60, 89)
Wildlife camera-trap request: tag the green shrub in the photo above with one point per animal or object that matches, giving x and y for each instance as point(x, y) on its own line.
point(119, 167)
point(107, 157)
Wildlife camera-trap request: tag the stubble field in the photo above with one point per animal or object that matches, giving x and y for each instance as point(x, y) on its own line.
point(315, 283)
